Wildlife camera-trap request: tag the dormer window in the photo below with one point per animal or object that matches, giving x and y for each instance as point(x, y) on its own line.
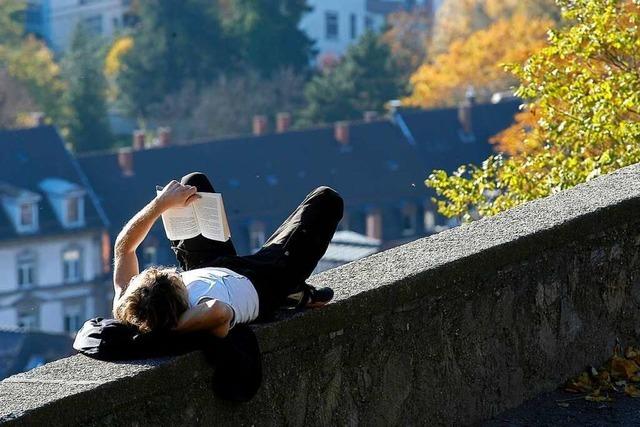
point(73, 210)
point(67, 200)
point(27, 216)
point(21, 206)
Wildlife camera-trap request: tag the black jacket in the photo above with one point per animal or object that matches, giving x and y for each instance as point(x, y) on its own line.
point(238, 352)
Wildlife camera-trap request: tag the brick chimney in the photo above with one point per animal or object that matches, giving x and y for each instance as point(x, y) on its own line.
point(464, 110)
point(164, 136)
point(374, 224)
point(341, 132)
point(260, 125)
point(125, 161)
point(370, 116)
point(283, 122)
point(139, 139)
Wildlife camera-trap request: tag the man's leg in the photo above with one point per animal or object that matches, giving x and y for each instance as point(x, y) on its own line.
point(191, 253)
point(291, 254)
point(307, 232)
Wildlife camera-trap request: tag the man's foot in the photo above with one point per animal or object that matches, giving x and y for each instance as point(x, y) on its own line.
point(310, 297)
point(317, 297)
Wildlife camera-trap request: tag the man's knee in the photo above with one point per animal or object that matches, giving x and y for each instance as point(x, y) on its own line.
point(198, 180)
point(330, 199)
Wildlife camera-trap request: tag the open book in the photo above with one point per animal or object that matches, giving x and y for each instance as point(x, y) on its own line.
point(205, 216)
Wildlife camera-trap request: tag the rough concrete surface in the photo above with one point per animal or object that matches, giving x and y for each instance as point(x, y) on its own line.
point(451, 329)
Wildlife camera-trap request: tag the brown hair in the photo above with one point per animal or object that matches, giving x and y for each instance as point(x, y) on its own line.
point(154, 300)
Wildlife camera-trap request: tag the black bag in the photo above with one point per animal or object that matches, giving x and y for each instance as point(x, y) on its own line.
point(238, 372)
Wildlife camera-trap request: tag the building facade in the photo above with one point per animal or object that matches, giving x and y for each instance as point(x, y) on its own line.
point(56, 20)
point(54, 250)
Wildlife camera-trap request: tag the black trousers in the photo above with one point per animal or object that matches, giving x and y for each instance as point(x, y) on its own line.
point(288, 257)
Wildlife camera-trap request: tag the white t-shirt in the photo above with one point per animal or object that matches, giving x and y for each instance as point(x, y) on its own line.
point(224, 285)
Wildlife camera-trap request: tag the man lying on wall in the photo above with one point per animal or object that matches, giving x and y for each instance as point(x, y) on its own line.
point(215, 289)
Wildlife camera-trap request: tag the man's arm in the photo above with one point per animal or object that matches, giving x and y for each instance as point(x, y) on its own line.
point(125, 259)
point(212, 315)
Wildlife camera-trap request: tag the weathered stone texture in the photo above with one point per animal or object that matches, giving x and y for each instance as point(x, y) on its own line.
point(450, 329)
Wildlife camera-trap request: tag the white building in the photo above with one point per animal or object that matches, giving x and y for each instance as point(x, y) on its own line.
point(335, 24)
point(56, 20)
point(54, 250)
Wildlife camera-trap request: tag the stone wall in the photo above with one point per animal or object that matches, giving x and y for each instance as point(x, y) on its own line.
point(450, 329)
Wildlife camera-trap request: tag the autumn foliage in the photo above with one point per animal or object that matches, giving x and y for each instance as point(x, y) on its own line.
point(620, 374)
point(583, 120)
point(478, 61)
point(458, 19)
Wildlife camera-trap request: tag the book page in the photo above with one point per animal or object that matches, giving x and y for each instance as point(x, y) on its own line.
point(211, 217)
point(180, 223)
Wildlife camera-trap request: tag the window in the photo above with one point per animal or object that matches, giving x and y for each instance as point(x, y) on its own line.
point(409, 221)
point(331, 25)
point(29, 318)
point(27, 220)
point(429, 221)
point(73, 317)
point(149, 256)
point(93, 24)
point(354, 26)
point(368, 23)
point(73, 210)
point(26, 269)
point(256, 236)
point(71, 266)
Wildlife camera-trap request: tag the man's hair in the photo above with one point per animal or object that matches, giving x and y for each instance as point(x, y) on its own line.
point(154, 300)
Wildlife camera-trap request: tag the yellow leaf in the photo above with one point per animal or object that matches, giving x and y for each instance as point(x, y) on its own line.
point(632, 391)
point(623, 368)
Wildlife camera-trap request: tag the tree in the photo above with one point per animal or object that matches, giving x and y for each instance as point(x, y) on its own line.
point(478, 61)
point(217, 111)
point(458, 19)
point(269, 34)
point(584, 89)
point(14, 100)
point(365, 79)
point(173, 43)
point(86, 97)
point(408, 35)
point(28, 62)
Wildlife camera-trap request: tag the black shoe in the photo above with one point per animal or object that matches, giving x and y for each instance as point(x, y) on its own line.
point(310, 297)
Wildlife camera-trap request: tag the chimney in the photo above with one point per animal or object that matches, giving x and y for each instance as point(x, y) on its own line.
point(464, 110)
point(164, 136)
point(341, 132)
point(259, 125)
point(138, 139)
point(370, 116)
point(37, 118)
point(125, 161)
point(374, 224)
point(283, 122)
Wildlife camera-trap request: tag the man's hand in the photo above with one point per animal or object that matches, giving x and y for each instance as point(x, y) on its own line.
point(176, 195)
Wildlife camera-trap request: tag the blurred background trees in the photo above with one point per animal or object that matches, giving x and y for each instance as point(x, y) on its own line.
point(85, 98)
point(582, 119)
point(28, 68)
point(364, 80)
point(478, 61)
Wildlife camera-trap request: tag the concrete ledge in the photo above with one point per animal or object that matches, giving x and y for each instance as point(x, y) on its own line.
point(450, 329)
